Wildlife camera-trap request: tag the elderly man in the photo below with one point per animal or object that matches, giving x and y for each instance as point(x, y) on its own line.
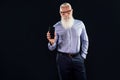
point(71, 41)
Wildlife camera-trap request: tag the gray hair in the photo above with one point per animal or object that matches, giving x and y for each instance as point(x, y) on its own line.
point(65, 4)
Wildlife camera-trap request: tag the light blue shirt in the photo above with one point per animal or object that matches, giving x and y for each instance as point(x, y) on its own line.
point(70, 40)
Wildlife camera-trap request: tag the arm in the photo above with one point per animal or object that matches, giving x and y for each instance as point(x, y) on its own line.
point(85, 42)
point(52, 42)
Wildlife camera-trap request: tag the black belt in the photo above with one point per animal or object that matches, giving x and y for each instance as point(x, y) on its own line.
point(68, 54)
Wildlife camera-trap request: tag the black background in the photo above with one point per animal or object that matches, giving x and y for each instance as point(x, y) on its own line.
point(24, 52)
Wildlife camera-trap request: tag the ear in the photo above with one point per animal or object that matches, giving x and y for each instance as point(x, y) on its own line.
point(72, 10)
point(60, 13)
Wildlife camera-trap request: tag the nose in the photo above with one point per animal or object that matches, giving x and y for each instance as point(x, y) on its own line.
point(65, 14)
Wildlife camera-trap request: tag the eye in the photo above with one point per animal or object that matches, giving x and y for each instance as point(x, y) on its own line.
point(68, 12)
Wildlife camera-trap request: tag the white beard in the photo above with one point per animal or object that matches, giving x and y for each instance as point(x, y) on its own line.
point(67, 23)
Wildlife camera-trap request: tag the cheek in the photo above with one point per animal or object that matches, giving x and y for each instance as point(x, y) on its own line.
point(62, 15)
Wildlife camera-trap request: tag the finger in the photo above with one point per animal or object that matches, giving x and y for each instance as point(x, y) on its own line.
point(48, 39)
point(48, 32)
point(48, 36)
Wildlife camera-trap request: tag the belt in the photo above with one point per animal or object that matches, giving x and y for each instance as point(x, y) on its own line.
point(68, 54)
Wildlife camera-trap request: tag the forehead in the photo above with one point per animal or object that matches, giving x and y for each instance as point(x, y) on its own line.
point(67, 7)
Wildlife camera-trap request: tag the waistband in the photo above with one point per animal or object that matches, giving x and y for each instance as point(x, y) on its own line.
point(68, 54)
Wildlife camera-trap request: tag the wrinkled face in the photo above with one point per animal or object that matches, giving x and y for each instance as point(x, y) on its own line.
point(66, 12)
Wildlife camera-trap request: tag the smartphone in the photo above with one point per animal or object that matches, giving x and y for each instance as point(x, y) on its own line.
point(51, 30)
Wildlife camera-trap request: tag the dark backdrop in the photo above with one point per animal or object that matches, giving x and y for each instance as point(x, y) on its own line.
point(23, 27)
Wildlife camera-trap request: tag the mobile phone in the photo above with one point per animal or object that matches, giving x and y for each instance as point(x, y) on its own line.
point(51, 30)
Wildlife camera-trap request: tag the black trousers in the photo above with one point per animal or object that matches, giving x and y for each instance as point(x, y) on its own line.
point(71, 67)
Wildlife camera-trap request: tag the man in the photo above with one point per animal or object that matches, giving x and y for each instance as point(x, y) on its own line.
point(71, 41)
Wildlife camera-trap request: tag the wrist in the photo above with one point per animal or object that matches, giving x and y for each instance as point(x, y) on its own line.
point(51, 43)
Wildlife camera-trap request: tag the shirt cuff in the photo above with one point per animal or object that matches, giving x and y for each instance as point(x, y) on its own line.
point(83, 55)
point(51, 45)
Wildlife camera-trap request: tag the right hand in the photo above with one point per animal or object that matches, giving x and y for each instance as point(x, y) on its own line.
point(52, 41)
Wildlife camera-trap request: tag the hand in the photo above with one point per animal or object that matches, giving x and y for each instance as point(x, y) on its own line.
point(51, 40)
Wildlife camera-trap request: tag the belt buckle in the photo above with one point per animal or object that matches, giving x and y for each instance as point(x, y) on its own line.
point(70, 55)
